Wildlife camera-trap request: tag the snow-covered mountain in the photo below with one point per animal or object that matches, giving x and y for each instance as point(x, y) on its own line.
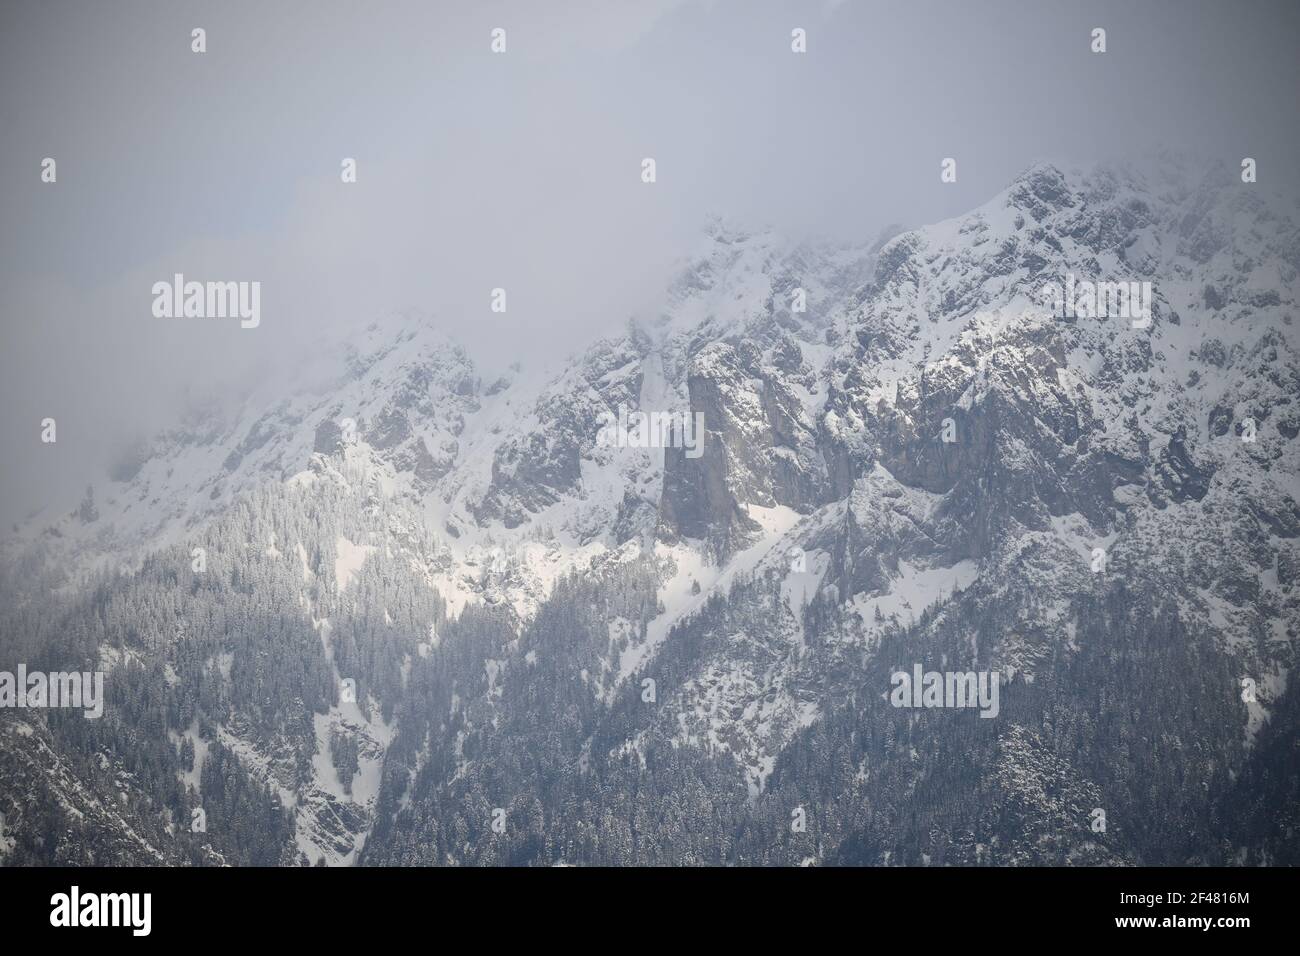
point(426, 596)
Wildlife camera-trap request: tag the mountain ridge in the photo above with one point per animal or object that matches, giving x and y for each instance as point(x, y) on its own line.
point(925, 462)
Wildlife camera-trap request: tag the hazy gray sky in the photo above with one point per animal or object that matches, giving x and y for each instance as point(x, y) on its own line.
point(522, 170)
